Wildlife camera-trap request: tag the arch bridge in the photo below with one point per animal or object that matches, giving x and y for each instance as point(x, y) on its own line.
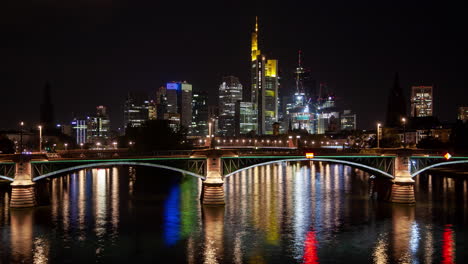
point(393, 171)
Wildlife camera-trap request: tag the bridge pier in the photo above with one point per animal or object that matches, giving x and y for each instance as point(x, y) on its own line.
point(398, 190)
point(402, 185)
point(23, 192)
point(213, 186)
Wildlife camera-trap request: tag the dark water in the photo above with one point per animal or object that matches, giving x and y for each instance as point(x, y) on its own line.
point(287, 213)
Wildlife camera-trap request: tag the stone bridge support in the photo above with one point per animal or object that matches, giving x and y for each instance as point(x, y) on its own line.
point(22, 188)
point(401, 188)
point(213, 186)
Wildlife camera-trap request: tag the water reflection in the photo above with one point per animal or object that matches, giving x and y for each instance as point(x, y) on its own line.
point(21, 235)
point(303, 212)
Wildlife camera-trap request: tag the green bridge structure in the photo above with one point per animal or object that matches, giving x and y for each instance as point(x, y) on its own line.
point(392, 170)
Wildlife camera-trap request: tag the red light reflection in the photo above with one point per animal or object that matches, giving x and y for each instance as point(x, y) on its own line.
point(448, 245)
point(310, 249)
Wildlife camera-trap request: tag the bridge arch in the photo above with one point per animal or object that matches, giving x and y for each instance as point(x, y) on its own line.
point(352, 164)
point(438, 165)
point(6, 178)
point(117, 163)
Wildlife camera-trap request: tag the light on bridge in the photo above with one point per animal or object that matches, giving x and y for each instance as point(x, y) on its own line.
point(310, 155)
point(447, 156)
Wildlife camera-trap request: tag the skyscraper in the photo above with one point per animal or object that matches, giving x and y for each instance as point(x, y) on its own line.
point(421, 101)
point(200, 114)
point(300, 113)
point(98, 127)
point(246, 118)
point(396, 107)
point(47, 109)
point(230, 91)
point(264, 86)
point(179, 103)
point(136, 109)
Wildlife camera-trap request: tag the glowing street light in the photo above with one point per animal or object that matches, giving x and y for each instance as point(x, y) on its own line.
point(21, 136)
point(378, 135)
point(403, 120)
point(66, 146)
point(81, 145)
point(40, 138)
point(115, 144)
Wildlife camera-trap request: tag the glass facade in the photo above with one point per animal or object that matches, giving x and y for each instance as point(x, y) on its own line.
point(230, 91)
point(200, 114)
point(348, 120)
point(421, 101)
point(246, 118)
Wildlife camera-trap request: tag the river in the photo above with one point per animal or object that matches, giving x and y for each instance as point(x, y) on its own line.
point(299, 212)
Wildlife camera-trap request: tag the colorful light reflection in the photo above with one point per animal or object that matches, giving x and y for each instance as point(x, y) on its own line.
point(310, 249)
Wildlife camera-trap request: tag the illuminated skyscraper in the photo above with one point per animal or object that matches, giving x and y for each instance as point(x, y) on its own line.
point(230, 91)
point(264, 86)
point(246, 118)
point(421, 101)
point(136, 109)
point(200, 114)
point(179, 103)
point(300, 113)
point(98, 126)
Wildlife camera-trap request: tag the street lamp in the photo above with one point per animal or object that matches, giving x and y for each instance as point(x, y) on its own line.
point(40, 138)
point(66, 146)
point(21, 137)
point(81, 145)
point(98, 144)
point(404, 131)
point(378, 135)
point(115, 144)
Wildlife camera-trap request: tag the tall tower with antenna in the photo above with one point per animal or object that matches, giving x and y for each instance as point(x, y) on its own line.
point(300, 115)
point(264, 86)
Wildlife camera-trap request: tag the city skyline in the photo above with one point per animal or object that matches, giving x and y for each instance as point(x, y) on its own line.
point(138, 62)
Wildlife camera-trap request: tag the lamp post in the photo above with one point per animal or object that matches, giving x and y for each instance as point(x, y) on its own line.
point(66, 146)
point(81, 145)
point(404, 131)
point(21, 137)
point(378, 135)
point(40, 138)
point(115, 144)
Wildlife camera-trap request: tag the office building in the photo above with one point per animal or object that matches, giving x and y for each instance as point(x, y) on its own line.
point(80, 130)
point(98, 126)
point(421, 101)
point(264, 87)
point(246, 118)
point(230, 91)
point(137, 109)
point(179, 101)
point(300, 114)
point(199, 114)
point(348, 120)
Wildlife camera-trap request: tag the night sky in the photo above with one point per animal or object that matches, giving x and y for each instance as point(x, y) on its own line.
point(94, 51)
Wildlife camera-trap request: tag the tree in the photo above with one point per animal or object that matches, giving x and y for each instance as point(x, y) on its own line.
point(7, 146)
point(155, 135)
point(431, 143)
point(459, 136)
